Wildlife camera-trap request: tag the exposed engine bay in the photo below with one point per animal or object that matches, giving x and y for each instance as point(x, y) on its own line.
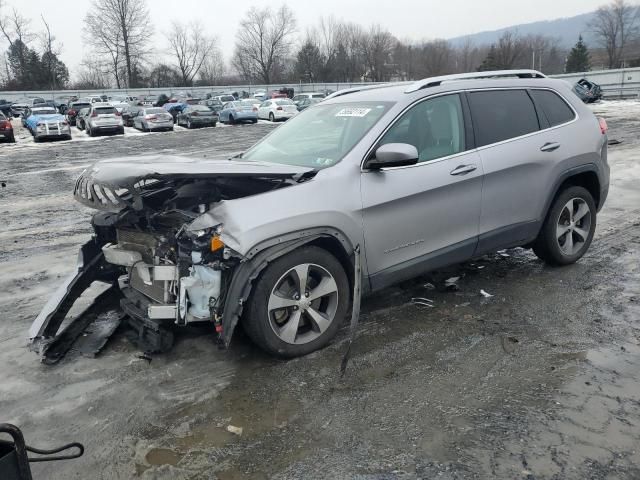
point(165, 272)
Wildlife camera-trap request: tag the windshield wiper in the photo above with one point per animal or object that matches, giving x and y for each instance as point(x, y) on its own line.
point(239, 155)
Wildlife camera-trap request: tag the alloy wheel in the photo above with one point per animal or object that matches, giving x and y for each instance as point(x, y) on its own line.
point(303, 303)
point(573, 226)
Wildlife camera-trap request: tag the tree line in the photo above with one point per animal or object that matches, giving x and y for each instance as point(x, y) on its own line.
point(270, 49)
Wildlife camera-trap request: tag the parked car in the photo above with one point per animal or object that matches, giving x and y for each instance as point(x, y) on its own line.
point(224, 99)
point(103, 118)
point(587, 91)
point(307, 102)
point(260, 95)
point(153, 118)
point(197, 116)
point(212, 104)
point(128, 113)
point(81, 118)
point(277, 109)
point(97, 99)
point(5, 108)
point(304, 96)
point(160, 100)
point(174, 108)
point(73, 110)
point(6, 128)
point(119, 106)
point(18, 108)
point(148, 100)
point(239, 111)
point(420, 176)
point(46, 123)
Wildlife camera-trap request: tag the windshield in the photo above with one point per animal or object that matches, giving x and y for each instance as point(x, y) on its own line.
point(319, 137)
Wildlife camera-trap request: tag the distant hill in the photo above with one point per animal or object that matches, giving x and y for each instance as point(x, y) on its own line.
point(566, 29)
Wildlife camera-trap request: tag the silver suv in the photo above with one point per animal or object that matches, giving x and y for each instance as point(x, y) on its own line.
point(370, 187)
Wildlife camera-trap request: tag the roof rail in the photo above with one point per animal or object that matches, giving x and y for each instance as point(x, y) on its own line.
point(346, 91)
point(436, 81)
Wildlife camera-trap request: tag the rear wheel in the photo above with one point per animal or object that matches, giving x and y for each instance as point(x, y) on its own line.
point(231, 120)
point(568, 229)
point(272, 117)
point(298, 303)
point(189, 126)
point(12, 139)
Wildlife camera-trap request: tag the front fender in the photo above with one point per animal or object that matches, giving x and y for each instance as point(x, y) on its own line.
point(250, 268)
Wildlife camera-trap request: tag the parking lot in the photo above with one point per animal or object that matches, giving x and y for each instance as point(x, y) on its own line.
point(538, 381)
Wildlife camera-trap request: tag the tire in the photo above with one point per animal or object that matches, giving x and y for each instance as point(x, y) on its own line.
point(214, 124)
point(576, 233)
point(254, 121)
point(272, 117)
point(261, 324)
point(121, 131)
point(90, 132)
point(232, 120)
point(12, 138)
point(189, 126)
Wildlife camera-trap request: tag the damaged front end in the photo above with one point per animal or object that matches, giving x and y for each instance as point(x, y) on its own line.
point(162, 271)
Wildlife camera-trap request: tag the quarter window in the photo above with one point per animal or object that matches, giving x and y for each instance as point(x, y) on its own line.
point(502, 114)
point(435, 127)
point(555, 108)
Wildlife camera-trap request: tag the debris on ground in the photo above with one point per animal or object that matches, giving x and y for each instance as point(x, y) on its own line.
point(451, 284)
point(234, 430)
point(429, 286)
point(485, 294)
point(426, 302)
point(614, 141)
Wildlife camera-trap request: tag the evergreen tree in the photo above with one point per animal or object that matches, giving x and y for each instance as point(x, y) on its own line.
point(309, 62)
point(490, 62)
point(578, 60)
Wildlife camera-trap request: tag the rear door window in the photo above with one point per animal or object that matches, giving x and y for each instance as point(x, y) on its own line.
point(553, 106)
point(105, 110)
point(502, 114)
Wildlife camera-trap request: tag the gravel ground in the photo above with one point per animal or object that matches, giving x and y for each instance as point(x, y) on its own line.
point(539, 381)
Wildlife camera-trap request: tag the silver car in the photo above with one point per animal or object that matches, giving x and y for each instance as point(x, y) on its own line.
point(103, 118)
point(373, 186)
point(153, 118)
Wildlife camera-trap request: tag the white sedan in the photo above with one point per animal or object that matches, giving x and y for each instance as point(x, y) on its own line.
point(277, 109)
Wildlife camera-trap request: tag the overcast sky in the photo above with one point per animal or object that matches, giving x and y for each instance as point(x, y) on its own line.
point(406, 19)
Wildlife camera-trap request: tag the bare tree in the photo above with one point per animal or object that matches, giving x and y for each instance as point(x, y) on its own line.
point(190, 47)
point(213, 68)
point(263, 42)
point(508, 50)
point(94, 74)
point(614, 26)
point(376, 48)
point(120, 30)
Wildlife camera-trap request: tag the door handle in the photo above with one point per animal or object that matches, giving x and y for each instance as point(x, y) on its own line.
point(462, 169)
point(550, 147)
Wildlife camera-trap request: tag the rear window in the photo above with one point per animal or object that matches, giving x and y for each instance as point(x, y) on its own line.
point(78, 106)
point(554, 108)
point(317, 95)
point(227, 98)
point(284, 102)
point(199, 108)
point(105, 110)
point(502, 114)
point(44, 111)
point(155, 110)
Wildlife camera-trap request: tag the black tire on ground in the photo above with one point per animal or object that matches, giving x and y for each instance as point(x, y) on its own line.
point(189, 125)
point(231, 120)
point(12, 139)
point(214, 124)
point(272, 117)
point(254, 121)
point(90, 132)
point(256, 321)
point(121, 131)
point(547, 246)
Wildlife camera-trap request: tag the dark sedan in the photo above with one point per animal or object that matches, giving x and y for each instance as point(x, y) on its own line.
point(197, 116)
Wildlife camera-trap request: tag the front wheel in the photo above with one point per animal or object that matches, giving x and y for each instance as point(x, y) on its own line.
point(568, 229)
point(298, 303)
point(189, 126)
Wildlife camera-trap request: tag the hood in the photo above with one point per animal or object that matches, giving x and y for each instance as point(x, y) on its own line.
point(116, 183)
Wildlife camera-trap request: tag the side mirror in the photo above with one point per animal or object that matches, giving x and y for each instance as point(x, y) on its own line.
point(393, 155)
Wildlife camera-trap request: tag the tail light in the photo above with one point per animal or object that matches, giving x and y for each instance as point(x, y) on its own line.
point(5, 125)
point(603, 125)
point(72, 112)
point(279, 108)
point(254, 109)
point(64, 124)
point(195, 114)
point(94, 114)
point(118, 114)
point(150, 117)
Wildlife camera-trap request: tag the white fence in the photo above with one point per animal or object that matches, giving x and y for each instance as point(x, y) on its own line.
point(619, 83)
point(195, 91)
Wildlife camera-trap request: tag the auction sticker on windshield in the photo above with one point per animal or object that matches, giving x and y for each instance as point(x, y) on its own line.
point(353, 112)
